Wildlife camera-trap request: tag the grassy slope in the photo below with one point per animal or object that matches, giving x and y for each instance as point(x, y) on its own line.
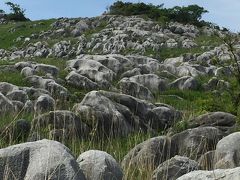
point(10, 32)
point(193, 103)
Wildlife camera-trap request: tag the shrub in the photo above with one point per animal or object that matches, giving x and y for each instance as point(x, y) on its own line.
point(17, 13)
point(191, 14)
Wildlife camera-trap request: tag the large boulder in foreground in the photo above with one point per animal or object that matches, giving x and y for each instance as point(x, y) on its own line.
point(227, 154)
point(174, 168)
point(99, 165)
point(149, 154)
point(41, 160)
point(223, 174)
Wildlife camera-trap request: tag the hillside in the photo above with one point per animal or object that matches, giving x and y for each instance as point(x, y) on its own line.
point(159, 98)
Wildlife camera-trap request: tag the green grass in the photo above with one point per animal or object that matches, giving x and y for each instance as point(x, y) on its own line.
point(212, 41)
point(191, 103)
point(13, 78)
point(90, 32)
point(10, 32)
point(197, 102)
point(201, 40)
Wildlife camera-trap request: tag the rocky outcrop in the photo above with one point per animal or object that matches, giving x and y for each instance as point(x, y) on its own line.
point(39, 160)
point(185, 83)
point(113, 114)
point(226, 174)
point(99, 165)
point(149, 154)
point(62, 125)
point(6, 106)
point(135, 89)
point(151, 81)
point(227, 150)
point(223, 121)
point(80, 81)
point(174, 168)
point(195, 142)
point(44, 104)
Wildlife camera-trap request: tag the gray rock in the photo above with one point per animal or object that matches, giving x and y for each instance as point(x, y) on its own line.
point(61, 49)
point(7, 87)
point(224, 174)
point(153, 65)
point(76, 32)
point(44, 69)
point(130, 73)
point(135, 89)
point(82, 25)
point(92, 70)
point(151, 81)
point(185, 83)
point(99, 165)
point(38, 82)
point(17, 55)
point(216, 84)
point(114, 113)
point(115, 62)
point(43, 104)
point(187, 43)
point(171, 43)
point(227, 152)
point(43, 159)
point(68, 122)
point(57, 91)
point(6, 106)
point(80, 81)
point(149, 154)
point(176, 61)
point(174, 168)
point(195, 142)
point(17, 95)
point(34, 93)
point(28, 107)
point(223, 72)
point(221, 120)
point(53, 88)
point(27, 71)
point(20, 65)
point(105, 116)
point(162, 117)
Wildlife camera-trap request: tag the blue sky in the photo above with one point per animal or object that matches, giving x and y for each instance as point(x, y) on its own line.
point(222, 12)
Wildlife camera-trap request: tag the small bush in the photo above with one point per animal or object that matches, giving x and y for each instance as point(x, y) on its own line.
point(191, 14)
point(17, 13)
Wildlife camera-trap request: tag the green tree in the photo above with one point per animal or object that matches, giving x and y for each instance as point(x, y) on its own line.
point(233, 65)
point(17, 13)
point(191, 14)
point(2, 11)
